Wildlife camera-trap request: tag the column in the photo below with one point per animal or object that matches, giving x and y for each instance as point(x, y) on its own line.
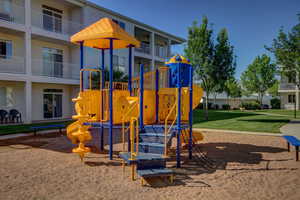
point(297, 98)
point(153, 51)
point(169, 48)
point(28, 101)
point(27, 37)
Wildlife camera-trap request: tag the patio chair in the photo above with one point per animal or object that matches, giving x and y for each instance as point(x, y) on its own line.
point(3, 116)
point(15, 116)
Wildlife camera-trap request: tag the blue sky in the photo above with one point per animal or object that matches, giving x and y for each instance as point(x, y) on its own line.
point(251, 23)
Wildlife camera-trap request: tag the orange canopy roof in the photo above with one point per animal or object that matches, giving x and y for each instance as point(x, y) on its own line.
point(97, 35)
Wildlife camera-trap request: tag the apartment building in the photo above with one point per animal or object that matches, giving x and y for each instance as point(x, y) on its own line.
point(39, 67)
point(289, 93)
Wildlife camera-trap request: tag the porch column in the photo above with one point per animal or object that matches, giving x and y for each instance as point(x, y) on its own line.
point(297, 98)
point(27, 37)
point(28, 101)
point(153, 51)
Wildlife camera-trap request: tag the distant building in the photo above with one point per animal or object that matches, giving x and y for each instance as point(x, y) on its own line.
point(289, 94)
point(222, 99)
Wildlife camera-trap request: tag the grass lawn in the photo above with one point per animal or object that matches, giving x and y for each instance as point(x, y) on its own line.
point(25, 128)
point(289, 113)
point(240, 121)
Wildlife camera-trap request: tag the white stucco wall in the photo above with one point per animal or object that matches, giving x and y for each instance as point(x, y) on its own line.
point(37, 100)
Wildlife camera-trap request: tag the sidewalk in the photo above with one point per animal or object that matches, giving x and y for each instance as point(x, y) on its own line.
point(292, 128)
point(238, 132)
point(12, 136)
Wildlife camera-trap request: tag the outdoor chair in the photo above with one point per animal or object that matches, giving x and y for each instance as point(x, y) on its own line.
point(3, 116)
point(15, 116)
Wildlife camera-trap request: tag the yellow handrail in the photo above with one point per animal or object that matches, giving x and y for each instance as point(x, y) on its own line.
point(134, 121)
point(167, 130)
point(131, 108)
point(117, 85)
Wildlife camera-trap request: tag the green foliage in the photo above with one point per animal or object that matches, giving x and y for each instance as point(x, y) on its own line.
point(223, 61)
point(259, 76)
point(213, 64)
point(233, 88)
point(275, 103)
point(118, 76)
point(274, 89)
point(286, 49)
point(251, 105)
point(226, 107)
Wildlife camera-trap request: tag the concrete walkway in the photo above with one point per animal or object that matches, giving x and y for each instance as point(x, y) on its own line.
point(292, 128)
point(237, 132)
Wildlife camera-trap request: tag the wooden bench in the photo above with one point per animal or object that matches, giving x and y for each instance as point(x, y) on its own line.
point(293, 141)
point(35, 129)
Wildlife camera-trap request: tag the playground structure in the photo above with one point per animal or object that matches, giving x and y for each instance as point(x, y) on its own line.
point(150, 109)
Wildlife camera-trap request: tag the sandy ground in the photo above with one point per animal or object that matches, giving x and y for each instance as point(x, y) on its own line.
point(226, 166)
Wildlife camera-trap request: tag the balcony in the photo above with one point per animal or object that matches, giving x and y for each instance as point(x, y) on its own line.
point(54, 24)
point(12, 13)
point(12, 64)
point(55, 69)
point(145, 48)
point(161, 51)
point(287, 86)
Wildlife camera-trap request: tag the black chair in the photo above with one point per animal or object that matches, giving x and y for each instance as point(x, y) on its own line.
point(15, 116)
point(3, 116)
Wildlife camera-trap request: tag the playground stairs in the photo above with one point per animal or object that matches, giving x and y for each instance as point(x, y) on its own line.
point(150, 161)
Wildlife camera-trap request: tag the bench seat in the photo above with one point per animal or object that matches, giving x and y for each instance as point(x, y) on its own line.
point(150, 173)
point(293, 141)
point(37, 128)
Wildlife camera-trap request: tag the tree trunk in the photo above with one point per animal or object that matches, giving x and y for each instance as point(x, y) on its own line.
point(206, 106)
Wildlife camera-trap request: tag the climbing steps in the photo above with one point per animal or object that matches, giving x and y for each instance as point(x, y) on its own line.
point(150, 161)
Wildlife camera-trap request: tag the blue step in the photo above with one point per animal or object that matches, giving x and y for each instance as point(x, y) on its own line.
point(154, 148)
point(153, 137)
point(154, 172)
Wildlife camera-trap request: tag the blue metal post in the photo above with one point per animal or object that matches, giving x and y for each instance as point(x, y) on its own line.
point(141, 97)
point(81, 63)
point(111, 100)
point(156, 94)
point(130, 69)
point(178, 163)
point(102, 87)
point(191, 114)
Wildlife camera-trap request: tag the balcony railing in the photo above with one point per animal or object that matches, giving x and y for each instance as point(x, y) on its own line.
point(287, 86)
point(55, 69)
point(145, 48)
point(54, 24)
point(161, 51)
point(12, 64)
point(12, 13)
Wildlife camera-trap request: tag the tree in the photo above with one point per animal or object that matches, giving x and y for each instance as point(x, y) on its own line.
point(286, 49)
point(118, 76)
point(274, 89)
point(232, 89)
point(200, 51)
point(223, 60)
point(259, 76)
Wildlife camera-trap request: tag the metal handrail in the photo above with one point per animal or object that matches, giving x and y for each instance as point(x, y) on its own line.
point(123, 122)
point(167, 130)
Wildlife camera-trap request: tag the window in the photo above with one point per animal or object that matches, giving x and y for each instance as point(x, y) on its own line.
point(5, 49)
point(5, 10)
point(52, 103)
point(291, 98)
point(52, 62)
point(121, 24)
point(52, 19)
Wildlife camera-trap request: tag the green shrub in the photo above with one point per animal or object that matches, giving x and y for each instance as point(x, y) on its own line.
point(275, 103)
point(226, 107)
point(254, 105)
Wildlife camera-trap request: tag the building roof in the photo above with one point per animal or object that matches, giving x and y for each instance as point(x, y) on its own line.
point(97, 36)
point(176, 38)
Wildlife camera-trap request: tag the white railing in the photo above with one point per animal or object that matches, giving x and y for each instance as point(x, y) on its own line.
point(12, 13)
point(55, 69)
point(145, 48)
point(161, 51)
point(54, 24)
point(12, 64)
point(287, 86)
